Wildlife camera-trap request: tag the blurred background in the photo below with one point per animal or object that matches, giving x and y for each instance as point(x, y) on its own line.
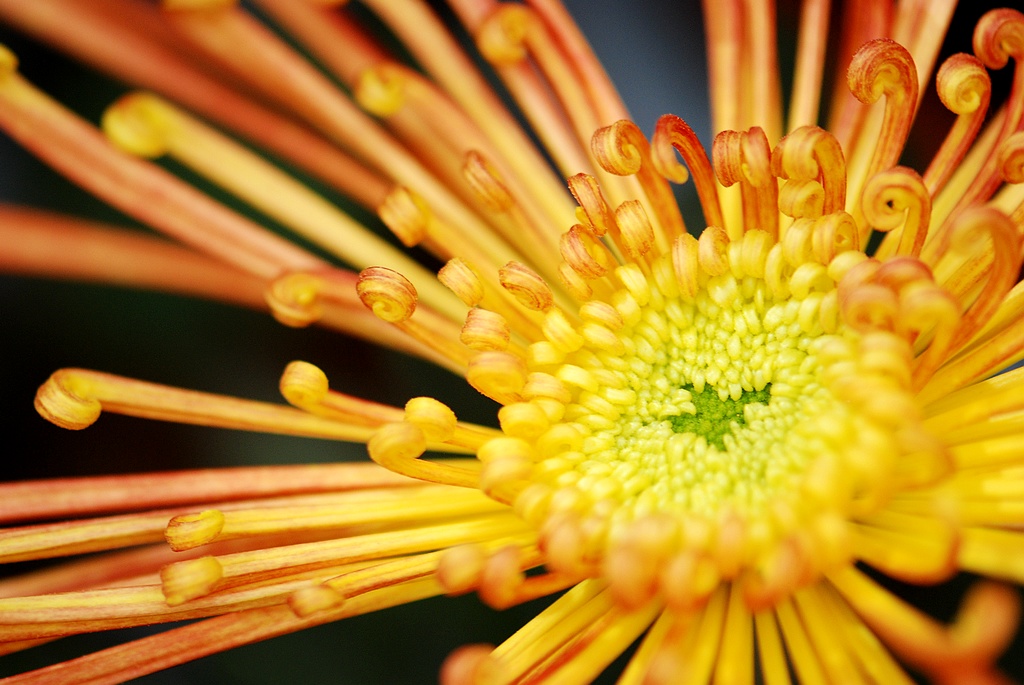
point(654, 52)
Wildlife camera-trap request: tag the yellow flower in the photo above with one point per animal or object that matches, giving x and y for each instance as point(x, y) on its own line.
point(715, 441)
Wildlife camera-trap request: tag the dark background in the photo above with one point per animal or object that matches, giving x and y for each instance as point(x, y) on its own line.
point(655, 54)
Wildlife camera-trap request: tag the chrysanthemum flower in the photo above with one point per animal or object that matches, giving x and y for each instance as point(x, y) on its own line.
point(716, 441)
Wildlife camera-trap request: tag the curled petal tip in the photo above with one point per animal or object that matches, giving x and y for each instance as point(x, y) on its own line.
point(406, 214)
point(194, 530)
point(303, 384)
point(187, 580)
point(434, 418)
point(498, 375)
point(998, 36)
point(61, 401)
point(1011, 158)
point(138, 124)
point(388, 294)
point(485, 330)
point(294, 299)
point(381, 89)
point(882, 67)
point(459, 277)
point(963, 84)
point(527, 286)
point(502, 36)
point(312, 600)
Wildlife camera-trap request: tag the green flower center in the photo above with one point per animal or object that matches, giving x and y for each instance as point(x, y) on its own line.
point(716, 417)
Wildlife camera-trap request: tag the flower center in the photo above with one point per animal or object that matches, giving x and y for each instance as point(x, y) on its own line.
point(690, 426)
point(714, 417)
point(685, 419)
point(699, 406)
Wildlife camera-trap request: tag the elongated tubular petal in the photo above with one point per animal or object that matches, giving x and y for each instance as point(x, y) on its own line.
point(881, 68)
point(101, 32)
point(149, 126)
point(896, 200)
point(736, 653)
point(1011, 168)
point(858, 24)
point(764, 102)
point(806, 662)
point(428, 118)
point(141, 565)
point(986, 622)
point(379, 507)
point(997, 349)
point(151, 654)
point(406, 214)
point(425, 118)
point(70, 497)
point(998, 36)
point(305, 386)
point(141, 601)
point(993, 552)
point(78, 537)
point(920, 26)
point(638, 667)
point(743, 66)
point(328, 297)
point(522, 45)
point(402, 569)
point(673, 134)
point(770, 650)
point(965, 89)
point(38, 243)
point(987, 357)
point(433, 46)
point(57, 615)
point(192, 579)
point(138, 602)
point(420, 113)
point(811, 153)
point(42, 244)
point(399, 446)
point(976, 404)
point(723, 26)
point(336, 591)
point(504, 37)
point(1002, 273)
point(746, 158)
point(267, 64)
point(1009, 311)
point(138, 188)
point(812, 37)
point(692, 653)
point(571, 40)
point(392, 298)
point(622, 149)
point(532, 644)
point(527, 230)
point(874, 658)
point(589, 652)
point(833, 654)
point(295, 516)
point(439, 424)
point(94, 571)
point(917, 549)
point(74, 399)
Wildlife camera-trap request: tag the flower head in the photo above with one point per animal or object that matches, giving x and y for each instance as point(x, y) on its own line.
point(714, 439)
